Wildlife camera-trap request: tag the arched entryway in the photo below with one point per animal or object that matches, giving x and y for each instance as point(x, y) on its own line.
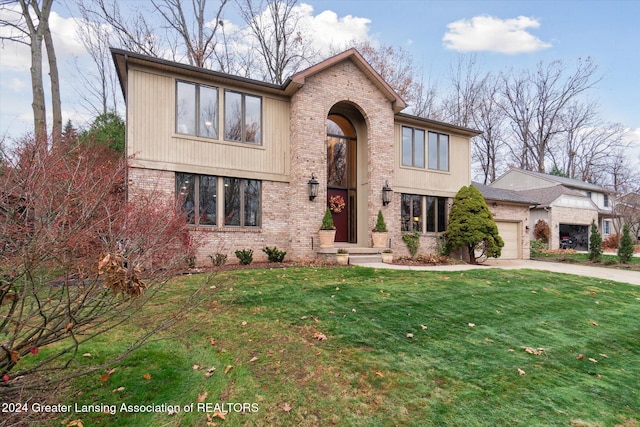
point(342, 188)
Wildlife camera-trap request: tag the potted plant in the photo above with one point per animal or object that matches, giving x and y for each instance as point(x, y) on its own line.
point(387, 256)
point(327, 231)
point(342, 257)
point(379, 235)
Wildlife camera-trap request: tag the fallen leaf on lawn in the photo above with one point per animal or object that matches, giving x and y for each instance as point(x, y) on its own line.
point(105, 377)
point(303, 318)
point(227, 369)
point(536, 351)
point(212, 341)
point(424, 328)
point(320, 336)
point(86, 355)
point(409, 335)
point(286, 407)
point(171, 412)
point(195, 367)
point(253, 359)
point(202, 397)
point(599, 376)
point(580, 356)
point(521, 372)
point(218, 414)
point(380, 374)
point(147, 376)
point(591, 359)
point(209, 372)
point(604, 355)
point(353, 310)
point(594, 323)
point(472, 325)
point(75, 423)
point(244, 323)
point(15, 356)
point(533, 292)
point(34, 350)
point(117, 390)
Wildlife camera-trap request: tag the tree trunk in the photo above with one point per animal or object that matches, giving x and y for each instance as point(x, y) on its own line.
point(56, 104)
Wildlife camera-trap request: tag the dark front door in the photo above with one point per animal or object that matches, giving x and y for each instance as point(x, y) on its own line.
point(341, 177)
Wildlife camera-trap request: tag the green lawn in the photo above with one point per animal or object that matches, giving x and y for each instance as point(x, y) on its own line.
point(465, 364)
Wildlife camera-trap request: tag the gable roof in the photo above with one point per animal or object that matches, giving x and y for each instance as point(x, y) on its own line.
point(546, 196)
point(298, 80)
point(553, 179)
point(501, 195)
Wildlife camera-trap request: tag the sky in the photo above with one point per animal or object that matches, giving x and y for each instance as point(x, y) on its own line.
point(502, 35)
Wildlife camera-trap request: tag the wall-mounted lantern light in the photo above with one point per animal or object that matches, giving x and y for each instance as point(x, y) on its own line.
point(313, 187)
point(387, 192)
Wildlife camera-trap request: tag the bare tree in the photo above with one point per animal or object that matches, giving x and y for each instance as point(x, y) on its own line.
point(30, 26)
point(280, 41)
point(98, 91)
point(488, 117)
point(467, 82)
point(535, 102)
point(197, 38)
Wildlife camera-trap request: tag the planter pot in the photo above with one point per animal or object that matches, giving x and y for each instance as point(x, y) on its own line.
point(342, 259)
point(326, 238)
point(379, 239)
point(387, 257)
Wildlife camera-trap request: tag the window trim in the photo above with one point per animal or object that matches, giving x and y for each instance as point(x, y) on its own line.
point(424, 215)
point(196, 198)
point(243, 118)
point(196, 132)
point(241, 214)
point(438, 149)
point(413, 147)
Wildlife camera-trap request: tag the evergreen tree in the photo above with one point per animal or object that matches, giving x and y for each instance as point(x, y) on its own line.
point(625, 250)
point(471, 225)
point(595, 243)
point(107, 129)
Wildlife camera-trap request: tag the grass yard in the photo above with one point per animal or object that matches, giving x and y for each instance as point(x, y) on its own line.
point(481, 347)
point(608, 259)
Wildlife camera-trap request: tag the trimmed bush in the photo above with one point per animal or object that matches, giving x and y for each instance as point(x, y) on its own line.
point(625, 250)
point(541, 231)
point(595, 244)
point(274, 254)
point(245, 256)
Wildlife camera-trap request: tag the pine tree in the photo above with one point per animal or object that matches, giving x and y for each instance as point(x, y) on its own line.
point(595, 243)
point(471, 224)
point(625, 250)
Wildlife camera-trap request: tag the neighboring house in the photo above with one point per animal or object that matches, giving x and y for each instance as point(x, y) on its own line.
point(239, 154)
point(567, 205)
point(627, 210)
point(510, 211)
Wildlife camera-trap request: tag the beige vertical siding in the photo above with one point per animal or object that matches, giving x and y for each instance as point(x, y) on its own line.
point(153, 141)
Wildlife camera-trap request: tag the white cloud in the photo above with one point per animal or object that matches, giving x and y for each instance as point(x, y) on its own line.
point(488, 33)
point(328, 31)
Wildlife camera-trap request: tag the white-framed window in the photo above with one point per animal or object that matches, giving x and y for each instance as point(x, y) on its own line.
point(606, 227)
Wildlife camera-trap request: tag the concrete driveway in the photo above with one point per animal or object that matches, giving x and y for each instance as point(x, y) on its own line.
point(617, 275)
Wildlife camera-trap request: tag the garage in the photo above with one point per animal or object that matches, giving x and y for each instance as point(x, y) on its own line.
point(509, 231)
point(574, 236)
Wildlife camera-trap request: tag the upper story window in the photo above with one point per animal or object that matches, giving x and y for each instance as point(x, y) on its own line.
point(242, 117)
point(606, 200)
point(413, 147)
point(438, 151)
point(196, 109)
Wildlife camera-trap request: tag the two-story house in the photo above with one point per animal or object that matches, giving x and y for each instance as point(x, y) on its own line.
point(240, 155)
point(567, 205)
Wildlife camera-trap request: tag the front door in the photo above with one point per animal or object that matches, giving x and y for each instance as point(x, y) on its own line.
point(341, 177)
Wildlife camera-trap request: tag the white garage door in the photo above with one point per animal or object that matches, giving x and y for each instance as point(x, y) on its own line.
point(512, 243)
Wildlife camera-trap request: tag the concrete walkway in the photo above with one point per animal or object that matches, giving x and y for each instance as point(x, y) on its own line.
point(617, 275)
